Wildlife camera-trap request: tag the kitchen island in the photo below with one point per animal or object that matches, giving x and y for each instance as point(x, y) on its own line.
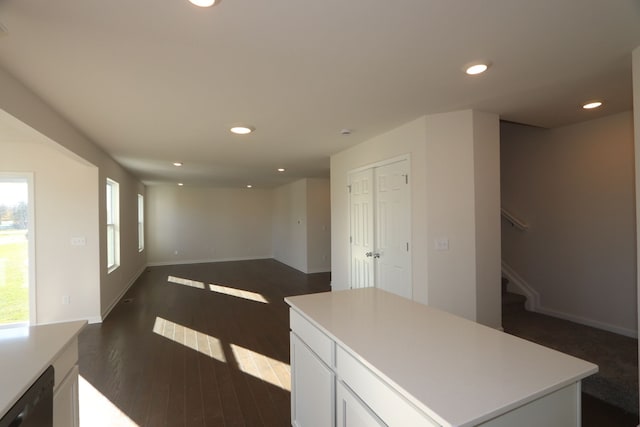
point(26, 352)
point(365, 357)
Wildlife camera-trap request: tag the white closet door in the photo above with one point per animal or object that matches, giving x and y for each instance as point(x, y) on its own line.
point(380, 220)
point(362, 229)
point(393, 262)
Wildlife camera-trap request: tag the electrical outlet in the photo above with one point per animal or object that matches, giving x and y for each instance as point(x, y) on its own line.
point(442, 244)
point(66, 299)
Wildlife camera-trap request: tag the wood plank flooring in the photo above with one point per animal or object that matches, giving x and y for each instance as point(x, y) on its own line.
point(175, 353)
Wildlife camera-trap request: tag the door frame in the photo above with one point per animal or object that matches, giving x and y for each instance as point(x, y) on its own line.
point(374, 165)
point(28, 176)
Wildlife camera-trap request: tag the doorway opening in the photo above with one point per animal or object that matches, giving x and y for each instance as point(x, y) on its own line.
point(17, 296)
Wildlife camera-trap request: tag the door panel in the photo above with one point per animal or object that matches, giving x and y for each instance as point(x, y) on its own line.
point(392, 220)
point(312, 388)
point(352, 412)
point(361, 212)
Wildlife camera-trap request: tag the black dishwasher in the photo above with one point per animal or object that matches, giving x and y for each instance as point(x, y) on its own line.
point(35, 407)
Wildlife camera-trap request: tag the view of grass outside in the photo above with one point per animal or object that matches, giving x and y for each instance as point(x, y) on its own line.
point(14, 279)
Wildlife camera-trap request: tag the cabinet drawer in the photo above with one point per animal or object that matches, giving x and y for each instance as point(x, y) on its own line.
point(321, 344)
point(65, 361)
point(387, 403)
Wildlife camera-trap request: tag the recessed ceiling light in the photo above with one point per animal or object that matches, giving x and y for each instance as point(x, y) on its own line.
point(592, 104)
point(241, 130)
point(180, 184)
point(249, 186)
point(345, 132)
point(478, 68)
point(281, 169)
point(177, 164)
point(203, 3)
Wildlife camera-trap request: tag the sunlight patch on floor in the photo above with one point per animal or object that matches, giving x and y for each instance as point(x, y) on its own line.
point(203, 343)
point(263, 367)
point(98, 411)
point(185, 282)
point(248, 295)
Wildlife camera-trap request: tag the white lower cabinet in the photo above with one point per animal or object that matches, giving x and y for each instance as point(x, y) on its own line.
point(312, 388)
point(330, 387)
point(65, 401)
point(352, 412)
point(65, 390)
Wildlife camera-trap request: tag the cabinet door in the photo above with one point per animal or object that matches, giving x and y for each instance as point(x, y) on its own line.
point(65, 401)
point(352, 412)
point(312, 388)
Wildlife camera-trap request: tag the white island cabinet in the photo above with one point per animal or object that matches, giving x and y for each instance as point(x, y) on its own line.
point(365, 357)
point(27, 352)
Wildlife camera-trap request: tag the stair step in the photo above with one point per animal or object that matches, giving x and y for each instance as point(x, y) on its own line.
point(513, 302)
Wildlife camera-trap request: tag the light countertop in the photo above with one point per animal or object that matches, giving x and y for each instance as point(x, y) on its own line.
point(457, 371)
point(25, 353)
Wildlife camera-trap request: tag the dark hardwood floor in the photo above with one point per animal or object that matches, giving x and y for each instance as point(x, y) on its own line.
point(213, 360)
point(175, 353)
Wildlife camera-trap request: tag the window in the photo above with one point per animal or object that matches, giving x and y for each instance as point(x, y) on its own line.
point(140, 223)
point(113, 226)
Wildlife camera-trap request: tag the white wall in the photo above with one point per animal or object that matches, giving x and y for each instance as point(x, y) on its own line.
point(318, 225)
point(574, 185)
point(22, 104)
point(207, 224)
point(290, 224)
point(66, 206)
point(301, 225)
point(445, 203)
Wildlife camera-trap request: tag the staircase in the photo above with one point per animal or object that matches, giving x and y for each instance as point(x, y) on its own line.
point(511, 303)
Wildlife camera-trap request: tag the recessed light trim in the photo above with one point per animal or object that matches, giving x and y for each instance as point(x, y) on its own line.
point(592, 105)
point(177, 164)
point(242, 130)
point(476, 68)
point(203, 3)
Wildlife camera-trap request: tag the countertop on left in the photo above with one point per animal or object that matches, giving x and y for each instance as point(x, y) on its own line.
point(25, 353)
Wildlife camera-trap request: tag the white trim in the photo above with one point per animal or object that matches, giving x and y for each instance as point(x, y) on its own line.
point(119, 297)
point(518, 285)
point(373, 166)
point(384, 162)
point(91, 320)
point(521, 287)
point(204, 261)
point(31, 239)
point(318, 270)
point(588, 322)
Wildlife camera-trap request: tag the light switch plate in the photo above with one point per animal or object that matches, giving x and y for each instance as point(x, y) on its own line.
point(78, 241)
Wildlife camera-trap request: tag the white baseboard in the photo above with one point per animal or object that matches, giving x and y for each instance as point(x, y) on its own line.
point(124, 291)
point(588, 322)
point(520, 286)
point(203, 261)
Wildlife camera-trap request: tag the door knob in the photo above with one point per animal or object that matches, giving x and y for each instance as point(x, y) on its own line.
point(376, 255)
point(368, 254)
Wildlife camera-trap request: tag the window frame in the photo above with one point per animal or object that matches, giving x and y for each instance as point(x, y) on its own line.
point(112, 199)
point(140, 223)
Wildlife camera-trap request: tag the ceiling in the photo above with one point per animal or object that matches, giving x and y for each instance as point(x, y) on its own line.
point(153, 82)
